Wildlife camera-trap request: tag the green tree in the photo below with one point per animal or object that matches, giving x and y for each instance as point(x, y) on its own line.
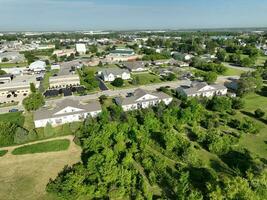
point(118, 82)
point(5, 59)
point(249, 82)
point(221, 55)
point(210, 77)
point(33, 101)
point(32, 88)
point(2, 72)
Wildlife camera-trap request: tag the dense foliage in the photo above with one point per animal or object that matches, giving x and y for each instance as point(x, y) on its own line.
point(153, 154)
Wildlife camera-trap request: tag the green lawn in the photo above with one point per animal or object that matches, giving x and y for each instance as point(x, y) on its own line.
point(9, 65)
point(233, 72)
point(50, 146)
point(147, 78)
point(261, 60)
point(3, 152)
point(15, 117)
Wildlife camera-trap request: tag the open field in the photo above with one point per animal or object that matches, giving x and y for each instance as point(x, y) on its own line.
point(233, 72)
point(9, 65)
point(50, 146)
point(146, 78)
point(25, 176)
point(256, 143)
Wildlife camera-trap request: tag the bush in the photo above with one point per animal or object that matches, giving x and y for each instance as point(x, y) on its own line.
point(3, 152)
point(118, 82)
point(48, 131)
point(238, 103)
point(259, 113)
point(220, 104)
point(7, 131)
point(21, 136)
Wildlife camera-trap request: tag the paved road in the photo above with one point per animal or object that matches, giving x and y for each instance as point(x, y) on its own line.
point(122, 92)
point(6, 109)
point(245, 69)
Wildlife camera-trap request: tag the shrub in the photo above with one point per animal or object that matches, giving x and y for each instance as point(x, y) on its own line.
point(21, 136)
point(238, 103)
point(259, 113)
point(3, 152)
point(118, 82)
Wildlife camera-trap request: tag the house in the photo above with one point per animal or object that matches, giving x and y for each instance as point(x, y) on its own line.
point(81, 48)
point(143, 99)
point(110, 75)
point(64, 81)
point(202, 89)
point(37, 66)
point(137, 66)
point(67, 111)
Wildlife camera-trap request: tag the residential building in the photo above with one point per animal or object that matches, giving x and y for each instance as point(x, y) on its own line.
point(64, 81)
point(110, 75)
point(38, 66)
point(136, 66)
point(202, 89)
point(143, 99)
point(81, 48)
point(67, 111)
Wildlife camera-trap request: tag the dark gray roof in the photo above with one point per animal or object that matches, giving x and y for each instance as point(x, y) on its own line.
point(46, 113)
point(114, 71)
point(140, 93)
point(134, 65)
point(195, 87)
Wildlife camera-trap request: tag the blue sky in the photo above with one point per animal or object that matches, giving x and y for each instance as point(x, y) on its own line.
point(49, 15)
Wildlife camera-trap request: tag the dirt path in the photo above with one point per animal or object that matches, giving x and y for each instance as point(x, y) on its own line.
point(25, 176)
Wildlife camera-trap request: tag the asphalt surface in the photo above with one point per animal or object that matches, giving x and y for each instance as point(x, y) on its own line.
point(121, 92)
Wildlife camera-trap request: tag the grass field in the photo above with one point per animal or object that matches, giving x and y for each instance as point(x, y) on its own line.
point(51, 146)
point(256, 143)
point(9, 65)
point(233, 72)
point(3, 152)
point(147, 78)
point(26, 176)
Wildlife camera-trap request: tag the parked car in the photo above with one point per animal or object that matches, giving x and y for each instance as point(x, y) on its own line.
point(13, 110)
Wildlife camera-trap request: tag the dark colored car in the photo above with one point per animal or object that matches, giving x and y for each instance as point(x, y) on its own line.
point(13, 110)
